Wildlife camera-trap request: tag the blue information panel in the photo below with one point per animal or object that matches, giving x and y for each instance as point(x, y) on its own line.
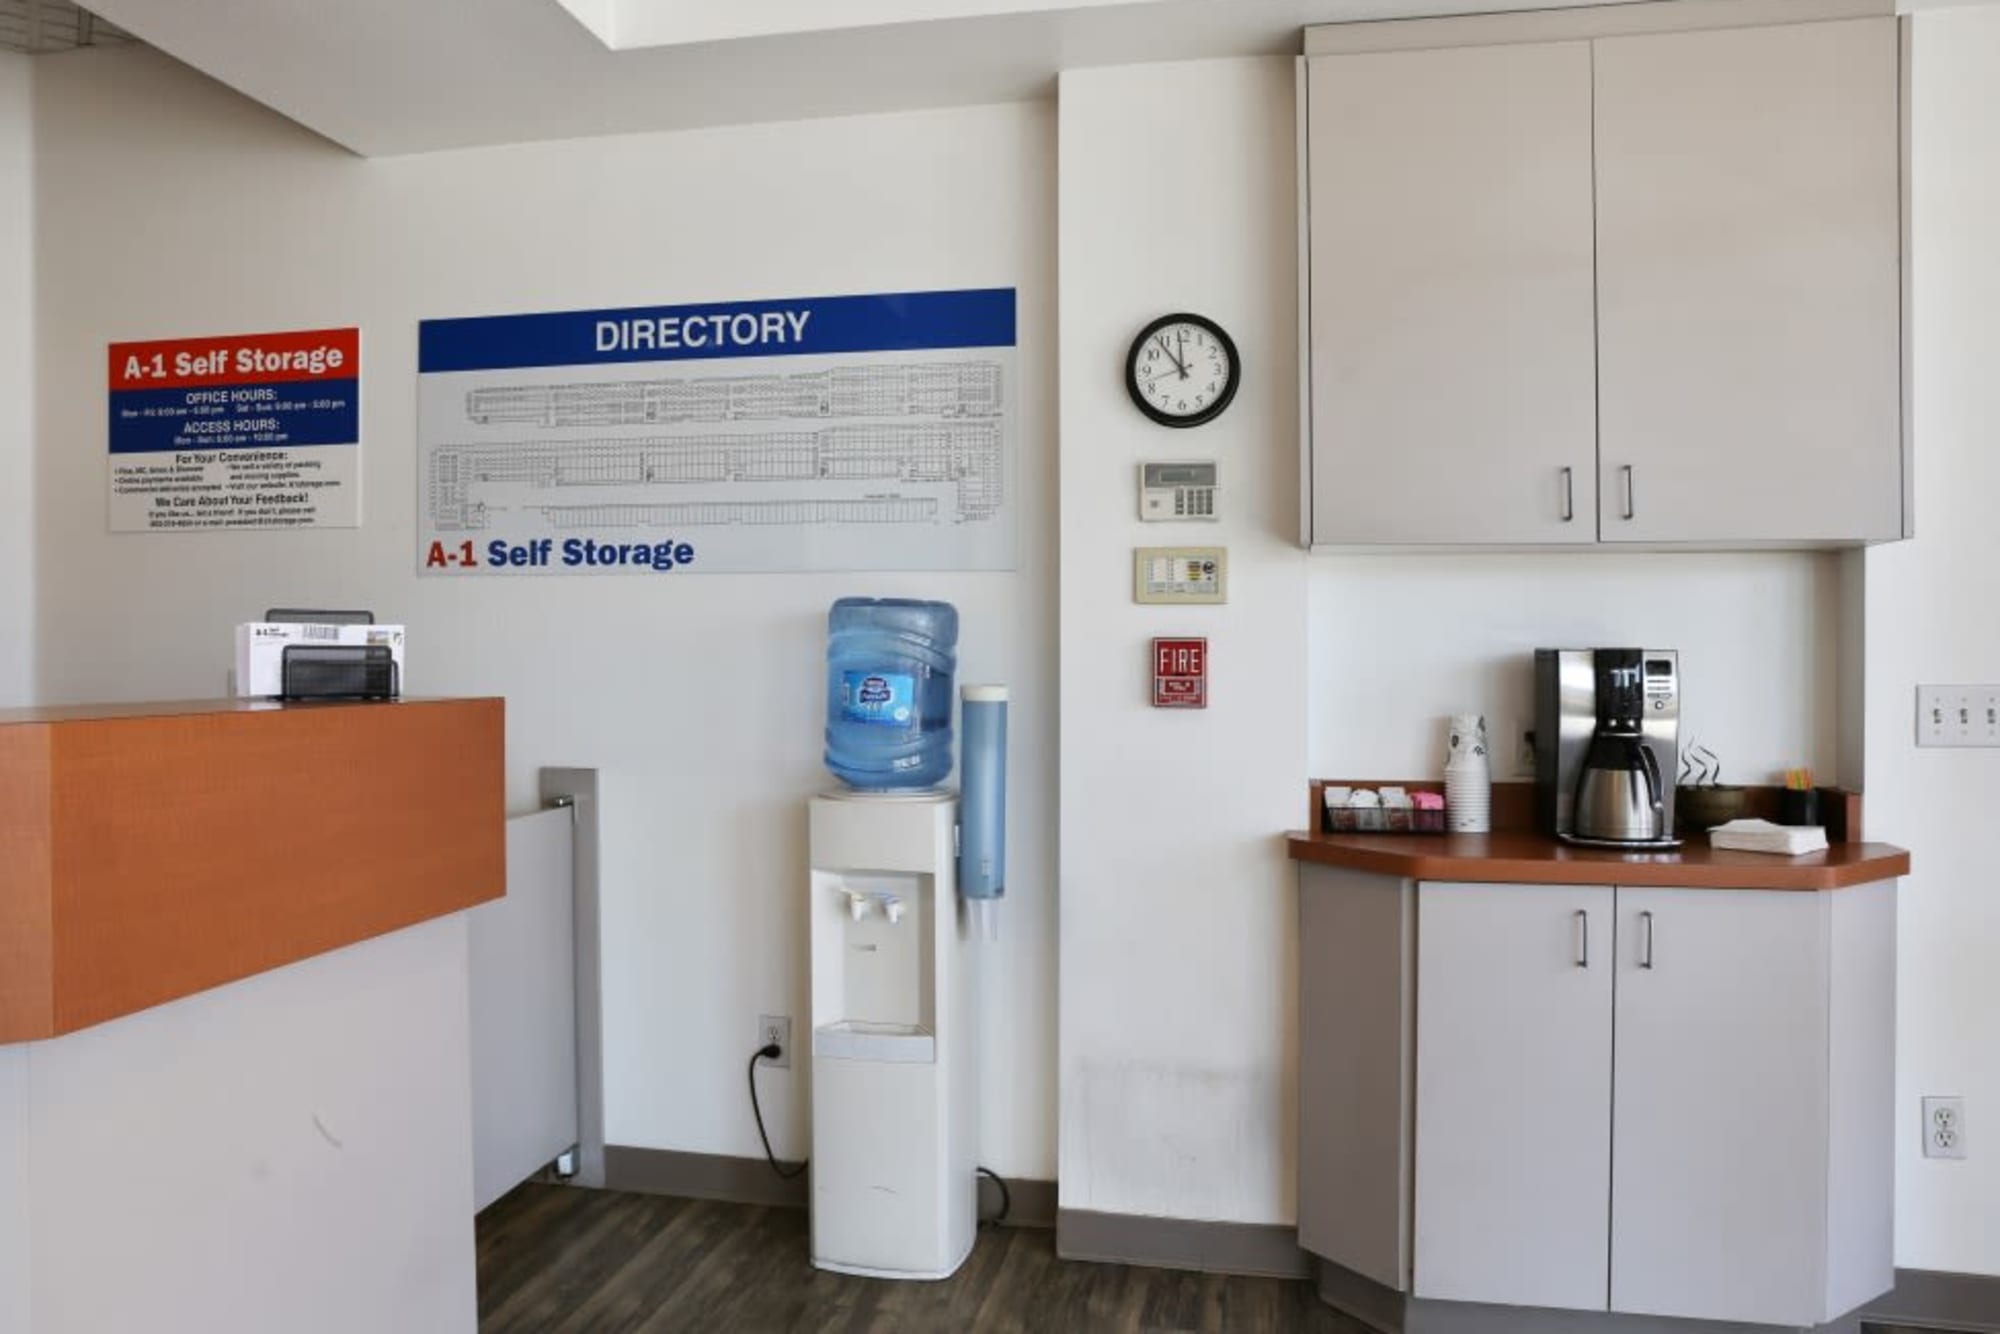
point(237, 431)
point(904, 322)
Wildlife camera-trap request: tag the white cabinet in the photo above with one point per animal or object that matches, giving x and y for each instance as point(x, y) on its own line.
point(1749, 285)
point(1513, 1165)
point(1571, 280)
point(1660, 1102)
point(1721, 1143)
point(1452, 343)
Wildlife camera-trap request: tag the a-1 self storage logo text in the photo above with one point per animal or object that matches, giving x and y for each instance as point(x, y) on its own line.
point(543, 553)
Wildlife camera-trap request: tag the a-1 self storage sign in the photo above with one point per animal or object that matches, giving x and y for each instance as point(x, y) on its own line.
point(236, 431)
point(1180, 673)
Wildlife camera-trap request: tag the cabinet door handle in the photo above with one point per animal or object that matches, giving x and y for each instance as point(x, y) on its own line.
point(1645, 940)
point(1569, 494)
point(1631, 498)
point(1582, 939)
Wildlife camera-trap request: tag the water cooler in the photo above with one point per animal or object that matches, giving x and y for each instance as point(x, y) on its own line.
point(894, 1059)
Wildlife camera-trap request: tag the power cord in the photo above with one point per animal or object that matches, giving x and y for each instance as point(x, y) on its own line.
point(1006, 1196)
point(769, 1051)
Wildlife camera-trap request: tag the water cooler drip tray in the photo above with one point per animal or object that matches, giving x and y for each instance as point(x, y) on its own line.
point(859, 1040)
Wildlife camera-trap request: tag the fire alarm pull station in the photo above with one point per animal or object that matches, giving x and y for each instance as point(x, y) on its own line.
point(1180, 673)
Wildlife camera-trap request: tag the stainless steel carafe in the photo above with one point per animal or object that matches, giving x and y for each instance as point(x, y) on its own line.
point(1618, 799)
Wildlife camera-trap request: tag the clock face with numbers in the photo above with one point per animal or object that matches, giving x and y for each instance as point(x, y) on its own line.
point(1182, 370)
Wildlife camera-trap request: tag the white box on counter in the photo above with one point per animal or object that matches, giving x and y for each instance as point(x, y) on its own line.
point(260, 650)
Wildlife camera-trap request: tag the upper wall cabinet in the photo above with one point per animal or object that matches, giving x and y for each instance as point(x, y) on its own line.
point(1748, 285)
point(1574, 279)
point(1453, 340)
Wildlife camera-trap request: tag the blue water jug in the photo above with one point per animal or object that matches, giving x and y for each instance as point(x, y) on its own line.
point(889, 669)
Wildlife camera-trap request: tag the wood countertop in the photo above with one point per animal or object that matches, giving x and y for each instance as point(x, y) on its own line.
point(182, 708)
point(152, 851)
point(1538, 859)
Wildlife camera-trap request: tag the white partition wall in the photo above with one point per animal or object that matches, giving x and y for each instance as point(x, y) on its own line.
point(523, 980)
point(289, 1152)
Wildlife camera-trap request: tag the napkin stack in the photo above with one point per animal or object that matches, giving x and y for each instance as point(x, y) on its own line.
point(1763, 836)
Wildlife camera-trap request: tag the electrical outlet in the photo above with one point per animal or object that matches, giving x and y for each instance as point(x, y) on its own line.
point(1958, 715)
point(1524, 751)
point(1944, 1127)
point(776, 1028)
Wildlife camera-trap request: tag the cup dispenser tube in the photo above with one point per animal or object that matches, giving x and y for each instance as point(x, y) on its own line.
point(982, 858)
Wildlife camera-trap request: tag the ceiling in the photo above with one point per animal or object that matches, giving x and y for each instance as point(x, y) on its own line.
point(408, 76)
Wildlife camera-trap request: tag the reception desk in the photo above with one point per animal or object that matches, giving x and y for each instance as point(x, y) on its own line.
point(234, 1037)
point(151, 851)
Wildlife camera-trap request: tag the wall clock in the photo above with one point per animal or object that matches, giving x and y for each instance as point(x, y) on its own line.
point(1182, 370)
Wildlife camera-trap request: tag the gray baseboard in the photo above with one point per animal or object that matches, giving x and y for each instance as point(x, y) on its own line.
point(713, 1176)
point(1267, 1250)
point(1391, 1312)
point(1931, 1299)
point(702, 1176)
point(1030, 1203)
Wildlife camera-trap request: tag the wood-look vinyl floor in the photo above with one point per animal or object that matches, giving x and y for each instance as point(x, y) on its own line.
point(556, 1260)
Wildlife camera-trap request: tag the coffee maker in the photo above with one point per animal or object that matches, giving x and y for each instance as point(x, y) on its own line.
point(1607, 745)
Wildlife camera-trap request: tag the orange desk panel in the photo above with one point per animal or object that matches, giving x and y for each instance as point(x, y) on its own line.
point(151, 852)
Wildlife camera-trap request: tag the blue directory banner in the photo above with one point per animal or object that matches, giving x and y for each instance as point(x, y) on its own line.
point(893, 322)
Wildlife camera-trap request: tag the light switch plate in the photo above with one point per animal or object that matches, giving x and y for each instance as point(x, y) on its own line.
point(1958, 715)
point(1180, 575)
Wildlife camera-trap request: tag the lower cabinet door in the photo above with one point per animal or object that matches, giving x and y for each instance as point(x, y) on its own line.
point(1513, 1096)
point(1720, 1114)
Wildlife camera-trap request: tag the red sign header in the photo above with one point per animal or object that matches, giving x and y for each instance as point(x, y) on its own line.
point(235, 359)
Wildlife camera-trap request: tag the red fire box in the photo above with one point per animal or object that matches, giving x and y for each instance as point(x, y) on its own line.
point(1180, 673)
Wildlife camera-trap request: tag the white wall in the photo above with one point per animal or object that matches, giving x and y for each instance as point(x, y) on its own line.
point(169, 206)
point(16, 1232)
point(1931, 618)
point(1399, 643)
point(17, 511)
point(1178, 904)
point(17, 517)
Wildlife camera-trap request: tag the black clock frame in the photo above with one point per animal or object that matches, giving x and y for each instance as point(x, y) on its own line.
point(1222, 399)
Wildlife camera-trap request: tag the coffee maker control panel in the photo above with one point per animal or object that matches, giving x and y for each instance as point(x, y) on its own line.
point(1662, 687)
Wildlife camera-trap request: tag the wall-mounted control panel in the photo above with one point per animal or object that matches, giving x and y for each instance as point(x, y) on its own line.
point(1170, 492)
point(1180, 574)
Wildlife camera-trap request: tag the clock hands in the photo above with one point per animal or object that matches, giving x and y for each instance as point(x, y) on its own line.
point(1181, 370)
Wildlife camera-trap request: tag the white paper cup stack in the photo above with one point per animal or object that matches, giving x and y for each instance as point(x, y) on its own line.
point(1468, 778)
point(1468, 799)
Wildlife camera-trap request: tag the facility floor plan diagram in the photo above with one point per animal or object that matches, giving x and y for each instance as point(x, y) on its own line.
point(915, 453)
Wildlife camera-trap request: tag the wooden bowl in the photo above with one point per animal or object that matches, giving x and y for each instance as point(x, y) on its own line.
point(1706, 807)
